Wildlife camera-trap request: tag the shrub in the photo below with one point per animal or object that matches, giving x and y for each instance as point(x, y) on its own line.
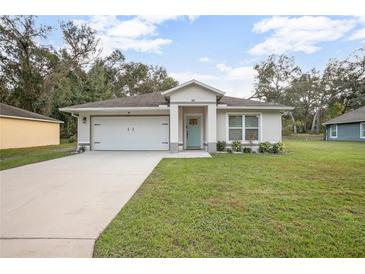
point(277, 147)
point(72, 139)
point(229, 150)
point(247, 150)
point(271, 148)
point(221, 145)
point(264, 147)
point(236, 146)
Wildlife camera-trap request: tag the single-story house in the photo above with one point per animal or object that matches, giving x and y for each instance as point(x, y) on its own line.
point(192, 115)
point(347, 127)
point(22, 128)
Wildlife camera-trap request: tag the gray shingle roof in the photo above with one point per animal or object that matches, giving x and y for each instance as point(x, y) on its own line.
point(357, 115)
point(6, 110)
point(156, 98)
point(234, 101)
point(144, 100)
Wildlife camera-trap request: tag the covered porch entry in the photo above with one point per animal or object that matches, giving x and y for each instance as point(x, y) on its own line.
point(190, 126)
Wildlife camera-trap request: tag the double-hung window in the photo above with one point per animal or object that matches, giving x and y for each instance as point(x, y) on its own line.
point(362, 130)
point(333, 131)
point(251, 128)
point(243, 127)
point(235, 131)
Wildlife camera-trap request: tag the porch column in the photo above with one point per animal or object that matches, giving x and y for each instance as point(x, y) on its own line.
point(174, 128)
point(212, 128)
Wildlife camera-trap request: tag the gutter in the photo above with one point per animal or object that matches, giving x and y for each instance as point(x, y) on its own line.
point(255, 107)
point(111, 109)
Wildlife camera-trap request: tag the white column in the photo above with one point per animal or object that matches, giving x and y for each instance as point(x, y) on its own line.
point(212, 128)
point(174, 128)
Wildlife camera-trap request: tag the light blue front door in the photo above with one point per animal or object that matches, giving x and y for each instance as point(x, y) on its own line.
point(193, 133)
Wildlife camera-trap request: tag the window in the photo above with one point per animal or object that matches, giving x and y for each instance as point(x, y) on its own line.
point(235, 127)
point(333, 131)
point(362, 130)
point(193, 122)
point(243, 127)
point(251, 128)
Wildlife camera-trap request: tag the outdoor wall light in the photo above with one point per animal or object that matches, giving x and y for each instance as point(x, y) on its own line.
point(84, 120)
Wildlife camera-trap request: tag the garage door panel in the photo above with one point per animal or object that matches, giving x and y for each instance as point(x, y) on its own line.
point(130, 133)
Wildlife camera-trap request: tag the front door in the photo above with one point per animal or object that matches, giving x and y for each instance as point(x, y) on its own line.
point(193, 132)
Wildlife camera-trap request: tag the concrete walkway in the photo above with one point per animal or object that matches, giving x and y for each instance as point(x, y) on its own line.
point(58, 208)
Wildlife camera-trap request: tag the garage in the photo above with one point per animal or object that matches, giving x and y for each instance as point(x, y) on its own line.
point(130, 133)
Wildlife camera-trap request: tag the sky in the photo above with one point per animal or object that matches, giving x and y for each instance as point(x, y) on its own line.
point(221, 50)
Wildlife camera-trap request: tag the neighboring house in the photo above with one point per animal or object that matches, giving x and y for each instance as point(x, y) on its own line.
point(347, 127)
point(190, 116)
point(22, 128)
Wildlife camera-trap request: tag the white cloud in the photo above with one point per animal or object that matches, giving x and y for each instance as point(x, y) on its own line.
point(299, 34)
point(206, 59)
point(187, 76)
point(360, 33)
point(138, 33)
point(236, 81)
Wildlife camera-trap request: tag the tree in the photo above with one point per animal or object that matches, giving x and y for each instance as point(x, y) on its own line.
point(273, 81)
point(23, 61)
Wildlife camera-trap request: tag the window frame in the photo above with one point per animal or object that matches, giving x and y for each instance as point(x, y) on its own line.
point(362, 130)
point(243, 126)
point(331, 136)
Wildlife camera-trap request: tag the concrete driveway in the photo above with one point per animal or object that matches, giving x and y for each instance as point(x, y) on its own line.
point(59, 207)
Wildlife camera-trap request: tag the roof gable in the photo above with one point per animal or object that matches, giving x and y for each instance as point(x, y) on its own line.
point(216, 91)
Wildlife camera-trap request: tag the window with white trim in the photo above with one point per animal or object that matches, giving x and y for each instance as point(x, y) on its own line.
point(333, 131)
point(251, 128)
point(235, 127)
point(243, 127)
point(362, 130)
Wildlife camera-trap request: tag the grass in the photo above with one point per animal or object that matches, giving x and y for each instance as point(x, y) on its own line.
point(309, 202)
point(14, 157)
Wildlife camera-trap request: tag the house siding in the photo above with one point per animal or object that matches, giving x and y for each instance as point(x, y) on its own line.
point(18, 133)
point(270, 124)
point(346, 132)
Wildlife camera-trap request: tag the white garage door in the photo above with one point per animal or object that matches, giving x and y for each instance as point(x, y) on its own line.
point(130, 133)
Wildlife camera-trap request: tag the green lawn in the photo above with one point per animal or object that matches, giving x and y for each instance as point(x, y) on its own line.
point(15, 157)
point(309, 202)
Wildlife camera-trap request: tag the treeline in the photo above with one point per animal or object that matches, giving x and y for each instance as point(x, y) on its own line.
point(317, 96)
point(38, 77)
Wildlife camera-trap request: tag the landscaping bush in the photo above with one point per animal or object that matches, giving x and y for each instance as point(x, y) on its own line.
point(271, 148)
point(221, 145)
point(264, 147)
point(277, 147)
point(247, 150)
point(236, 146)
point(229, 150)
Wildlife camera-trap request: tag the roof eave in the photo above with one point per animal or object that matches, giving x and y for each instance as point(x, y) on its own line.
point(257, 107)
point(347, 122)
point(31, 119)
point(111, 109)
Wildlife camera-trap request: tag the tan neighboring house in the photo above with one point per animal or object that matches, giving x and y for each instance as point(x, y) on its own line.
point(22, 128)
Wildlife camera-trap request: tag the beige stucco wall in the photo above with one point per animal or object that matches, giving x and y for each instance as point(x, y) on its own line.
point(270, 124)
point(192, 94)
point(17, 133)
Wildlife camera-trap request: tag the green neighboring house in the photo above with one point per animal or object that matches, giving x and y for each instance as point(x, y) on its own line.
point(347, 127)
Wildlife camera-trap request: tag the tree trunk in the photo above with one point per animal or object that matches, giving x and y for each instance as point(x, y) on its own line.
point(318, 121)
point(293, 120)
point(314, 120)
